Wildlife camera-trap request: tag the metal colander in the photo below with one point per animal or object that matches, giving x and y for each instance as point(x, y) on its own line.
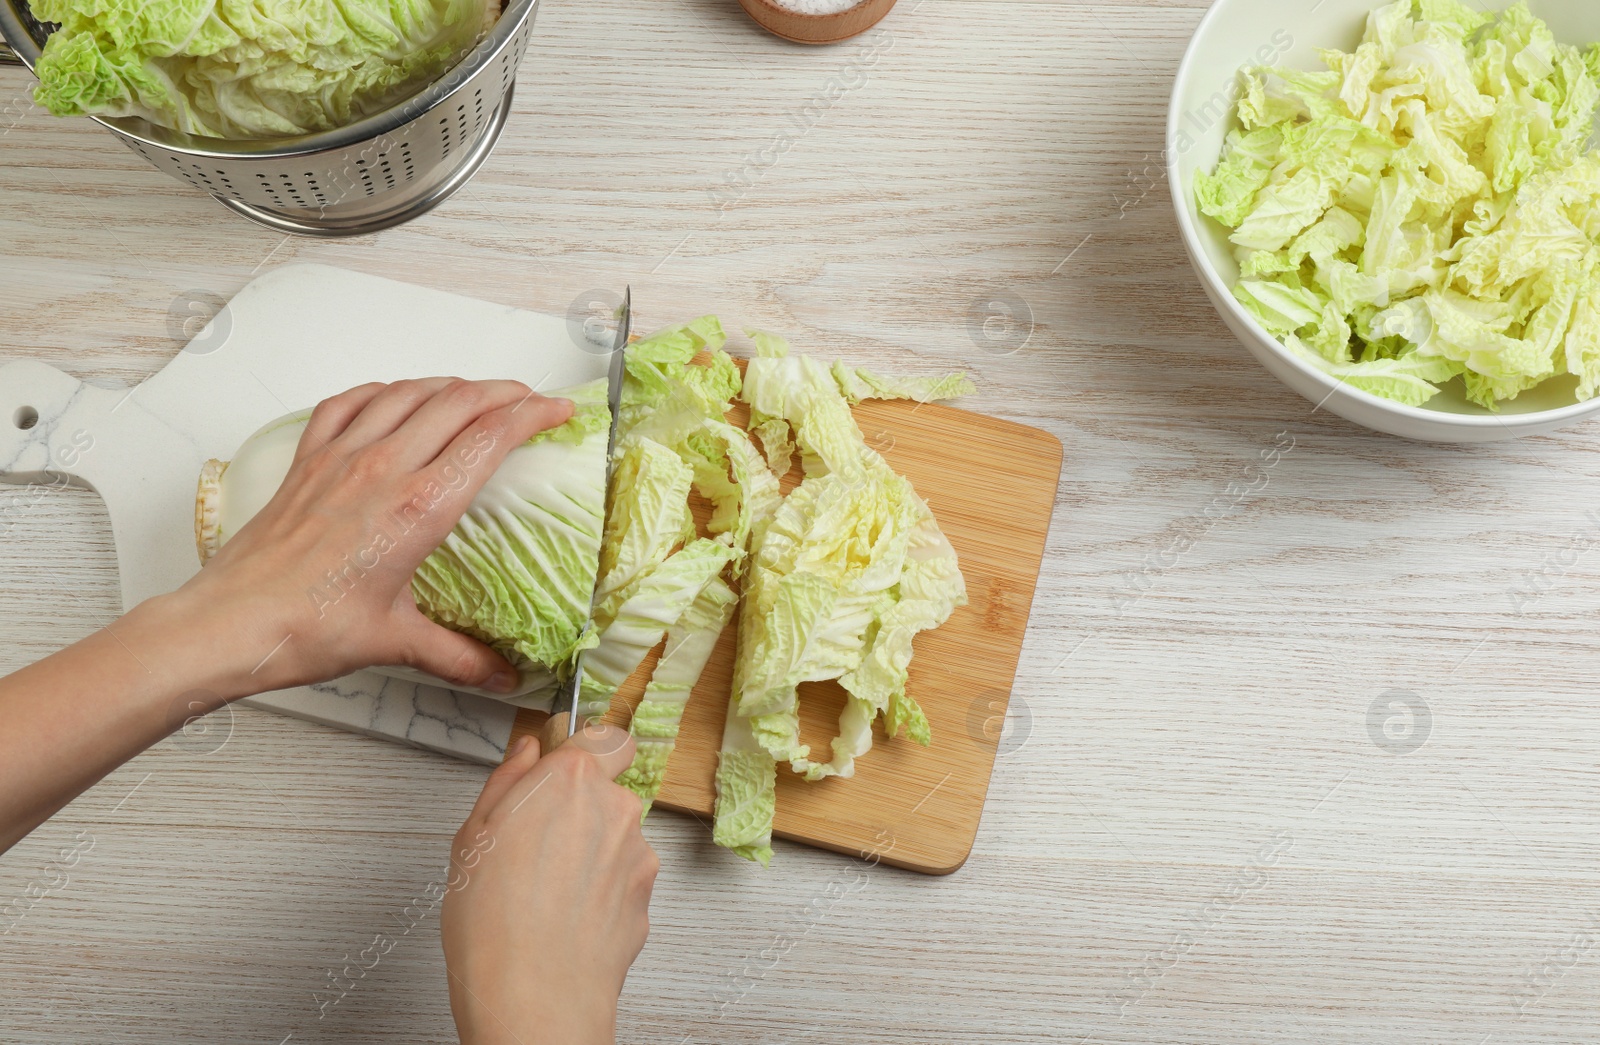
point(372, 175)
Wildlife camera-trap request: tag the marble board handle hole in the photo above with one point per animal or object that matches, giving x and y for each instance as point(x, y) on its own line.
point(25, 418)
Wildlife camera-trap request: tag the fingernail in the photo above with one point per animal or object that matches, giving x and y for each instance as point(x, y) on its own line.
point(501, 682)
point(517, 748)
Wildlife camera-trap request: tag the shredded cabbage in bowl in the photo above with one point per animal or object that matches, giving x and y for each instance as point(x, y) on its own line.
point(1425, 208)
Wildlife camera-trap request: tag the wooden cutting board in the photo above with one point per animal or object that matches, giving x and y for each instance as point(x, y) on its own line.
point(992, 486)
point(300, 333)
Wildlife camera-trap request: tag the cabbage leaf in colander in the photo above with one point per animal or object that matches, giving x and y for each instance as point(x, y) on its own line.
point(248, 69)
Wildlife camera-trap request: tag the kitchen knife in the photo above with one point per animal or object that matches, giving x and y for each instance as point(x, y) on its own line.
point(568, 696)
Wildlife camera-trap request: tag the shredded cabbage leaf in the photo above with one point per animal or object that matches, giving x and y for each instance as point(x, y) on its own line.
point(1426, 208)
point(661, 598)
point(673, 424)
point(850, 568)
point(649, 517)
point(857, 384)
point(655, 722)
point(747, 791)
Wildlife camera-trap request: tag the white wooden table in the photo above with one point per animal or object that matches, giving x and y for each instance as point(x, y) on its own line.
point(1199, 829)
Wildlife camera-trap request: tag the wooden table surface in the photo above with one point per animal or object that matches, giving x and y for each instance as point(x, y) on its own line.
point(1211, 820)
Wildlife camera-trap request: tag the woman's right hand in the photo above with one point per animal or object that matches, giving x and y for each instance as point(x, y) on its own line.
point(549, 896)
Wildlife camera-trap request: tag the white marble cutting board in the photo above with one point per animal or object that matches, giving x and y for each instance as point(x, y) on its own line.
point(292, 337)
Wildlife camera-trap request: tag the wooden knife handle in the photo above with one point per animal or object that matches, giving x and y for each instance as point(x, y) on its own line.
point(554, 733)
point(549, 730)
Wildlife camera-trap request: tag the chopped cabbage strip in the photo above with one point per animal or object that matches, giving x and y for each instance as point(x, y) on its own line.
point(747, 792)
point(776, 443)
point(673, 404)
point(857, 384)
point(659, 600)
point(690, 642)
point(649, 518)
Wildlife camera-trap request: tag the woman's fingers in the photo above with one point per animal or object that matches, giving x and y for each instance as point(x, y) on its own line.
point(514, 768)
point(590, 761)
point(387, 411)
point(597, 738)
point(448, 485)
point(332, 416)
point(611, 747)
point(456, 658)
point(423, 436)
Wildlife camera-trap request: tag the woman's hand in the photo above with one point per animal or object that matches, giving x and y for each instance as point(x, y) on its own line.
point(549, 896)
point(248, 622)
point(383, 472)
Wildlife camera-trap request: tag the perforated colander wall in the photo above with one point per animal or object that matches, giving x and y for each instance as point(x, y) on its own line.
point(362, 171)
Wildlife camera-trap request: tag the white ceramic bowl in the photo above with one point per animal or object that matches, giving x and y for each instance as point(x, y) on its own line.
point(1237, 33)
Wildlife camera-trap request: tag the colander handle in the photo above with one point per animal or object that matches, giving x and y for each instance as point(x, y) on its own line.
point(7, 55)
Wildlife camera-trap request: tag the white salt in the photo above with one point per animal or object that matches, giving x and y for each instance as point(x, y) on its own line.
point(817, 7)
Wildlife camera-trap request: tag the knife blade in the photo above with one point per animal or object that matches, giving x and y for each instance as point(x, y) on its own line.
point(569, 695)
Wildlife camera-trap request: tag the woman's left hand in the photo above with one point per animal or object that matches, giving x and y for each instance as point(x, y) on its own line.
point(318, 584)
point(382, 475)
